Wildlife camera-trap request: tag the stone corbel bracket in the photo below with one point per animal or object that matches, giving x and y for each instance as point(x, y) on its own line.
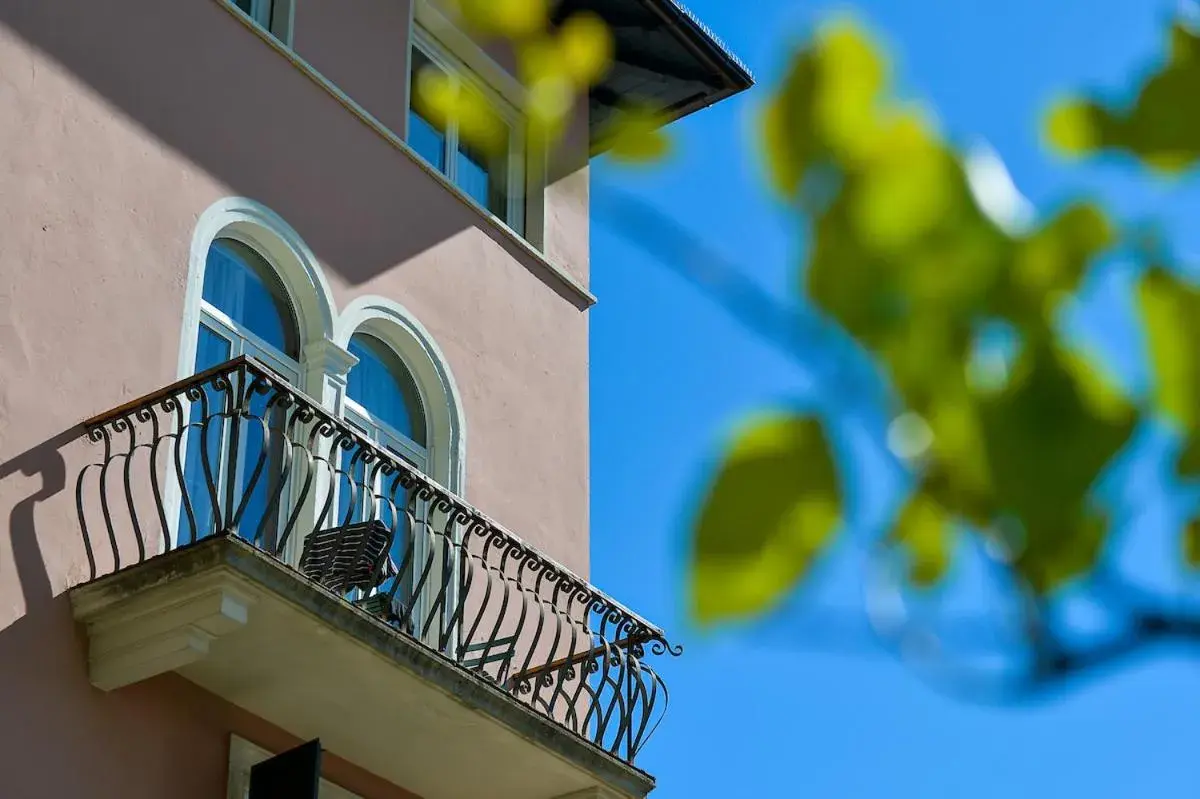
point(134, 638)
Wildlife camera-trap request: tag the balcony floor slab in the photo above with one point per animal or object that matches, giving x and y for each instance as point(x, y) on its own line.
point(247, 628)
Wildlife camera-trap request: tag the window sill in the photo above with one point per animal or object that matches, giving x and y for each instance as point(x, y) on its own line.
point(563, 280)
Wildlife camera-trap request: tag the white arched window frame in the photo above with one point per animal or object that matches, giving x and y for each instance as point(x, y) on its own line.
point(378, 431)
point(385, 437)
point(441, 459)
point(227, 338)
point(398, 329)
point(324, 335)
point(297, 268)
point(400, 445)
point(243, 341)
point(320, 368)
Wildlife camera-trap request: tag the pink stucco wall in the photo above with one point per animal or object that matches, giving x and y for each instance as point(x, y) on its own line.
point(120, 122)
point(360, 45)
point(162, 738)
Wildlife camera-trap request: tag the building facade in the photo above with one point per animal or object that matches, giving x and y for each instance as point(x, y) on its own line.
point(294, 407)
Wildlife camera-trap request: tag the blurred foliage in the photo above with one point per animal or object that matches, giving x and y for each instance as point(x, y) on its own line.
point(1161, 127)
point(556, 63)
point(907, 253)
point(903, 255)
point(778, 488)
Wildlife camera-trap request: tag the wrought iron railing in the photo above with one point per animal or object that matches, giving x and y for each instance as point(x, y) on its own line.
point(237, 451)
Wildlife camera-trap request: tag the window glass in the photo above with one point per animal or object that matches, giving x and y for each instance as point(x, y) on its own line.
point(211, 349)
point(383, 389)
point(242, 286)
point(382, 386)
point(483, 176)
point(205, 439)
point(245, 312)
point(261, 11)
point(424, 136)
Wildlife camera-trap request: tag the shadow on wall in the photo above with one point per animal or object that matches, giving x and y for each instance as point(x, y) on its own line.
point(46, 462)
point(245, 115)
point(162, 737)
point(43, 664)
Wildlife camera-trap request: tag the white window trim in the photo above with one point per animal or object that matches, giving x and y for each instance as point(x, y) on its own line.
point(311, 299)
point(258, 227)
point(241, 342)
point(244, 342)
point(387, 438)
point(382, 434)
point(243, 755)
point(509, 111)
point(458, 43)
point(441, 402)
point(325, 336)
point(281, 362)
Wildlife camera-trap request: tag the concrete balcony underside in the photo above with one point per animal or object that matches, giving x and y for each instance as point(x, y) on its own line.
point(247, 628)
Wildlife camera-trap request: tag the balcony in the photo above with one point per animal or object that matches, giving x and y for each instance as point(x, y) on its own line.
point(240, 535)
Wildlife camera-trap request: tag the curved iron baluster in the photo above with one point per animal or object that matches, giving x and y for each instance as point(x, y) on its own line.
point(467, 588)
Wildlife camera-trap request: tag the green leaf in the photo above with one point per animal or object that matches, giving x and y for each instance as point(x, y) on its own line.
point(1191, 543)
point(1051, 261)
point(636, 136)
point(852, 75)
point(773, 507)
point(786, 133)
point(1048, 441)
point(1057, 554)
point(1073, 127)
point(1189, 459)
point(958, 474)
point(907, 191)
point(825, 107)
point(1161, 127)
point(1171, 314)
point(508, 18)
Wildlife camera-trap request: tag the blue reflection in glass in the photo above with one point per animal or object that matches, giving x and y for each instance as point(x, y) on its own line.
point(383, 387)
point(381, 384)
point(427, 140)
point(242, 286)
point(206, 432)
point(473, 178)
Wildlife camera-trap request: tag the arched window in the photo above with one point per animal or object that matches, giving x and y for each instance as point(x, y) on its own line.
point(382, 398)
point(244, 310)
point(399, 366)
point(383, 403)
point(256, 289)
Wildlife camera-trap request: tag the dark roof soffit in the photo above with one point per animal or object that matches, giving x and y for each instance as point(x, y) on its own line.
point(727, 75)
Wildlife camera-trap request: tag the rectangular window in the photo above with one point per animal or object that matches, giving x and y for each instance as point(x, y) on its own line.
point(494, 178)
point(274, 16)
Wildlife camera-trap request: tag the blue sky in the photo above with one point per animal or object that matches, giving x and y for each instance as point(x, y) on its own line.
point(763, 710)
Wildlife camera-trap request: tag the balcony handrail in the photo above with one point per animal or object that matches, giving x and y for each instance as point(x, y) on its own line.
point(649, 632)
point(571, 660)
point(237, 450)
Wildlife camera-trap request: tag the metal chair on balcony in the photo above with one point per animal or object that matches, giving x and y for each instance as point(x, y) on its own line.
point(501, 651)
point(355, 558)
point(347, 558)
